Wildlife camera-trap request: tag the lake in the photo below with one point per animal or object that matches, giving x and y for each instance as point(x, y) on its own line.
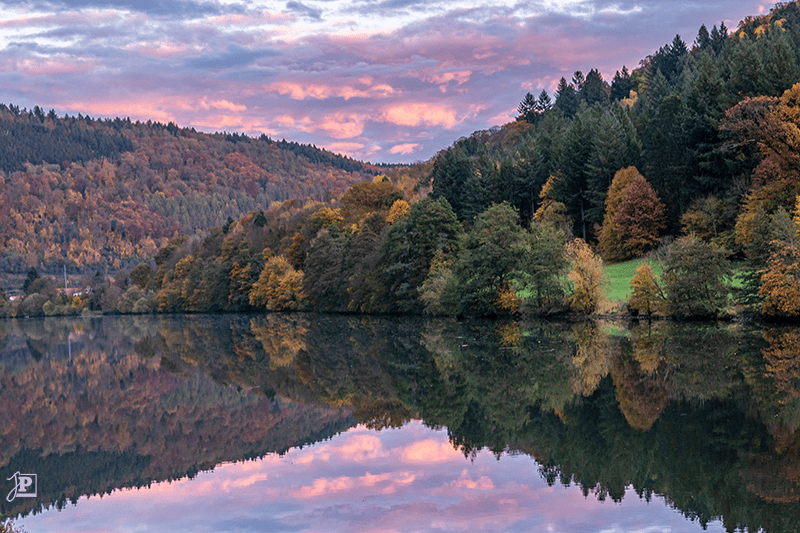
point(303, 422)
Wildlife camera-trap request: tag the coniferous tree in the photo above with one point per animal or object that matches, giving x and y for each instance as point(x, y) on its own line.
point(566, 98)
point(615, 145)
point(621, 85)
point(571, 188)
point(703, 39)
point(528, 108)
point(594, 89)
point(719, 38)
point(544, 103)
point(454, 179)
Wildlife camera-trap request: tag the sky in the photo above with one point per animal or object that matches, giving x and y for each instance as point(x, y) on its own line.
point(399, 480)
point(378, 80)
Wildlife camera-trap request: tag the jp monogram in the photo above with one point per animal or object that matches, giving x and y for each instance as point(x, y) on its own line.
point(25, 486)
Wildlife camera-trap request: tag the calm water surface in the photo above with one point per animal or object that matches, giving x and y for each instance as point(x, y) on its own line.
point(327, 423)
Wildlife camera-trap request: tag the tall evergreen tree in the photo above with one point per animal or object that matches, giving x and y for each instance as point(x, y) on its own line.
point(718, 38)
point(527, 109)
point(454, 179)
point(571, 188)
point(594, 89)
point(615, 145)
point(703, 39)
point(621, 85)
point(544, 103)
point(566, 98)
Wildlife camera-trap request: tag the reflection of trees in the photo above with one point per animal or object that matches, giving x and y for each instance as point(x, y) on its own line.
point(593, 355)
point(281, 339)
point(95, 416)
point(641, 379)
point(663, 407)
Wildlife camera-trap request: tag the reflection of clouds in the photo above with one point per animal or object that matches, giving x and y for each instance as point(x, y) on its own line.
point(431, 451)
point(365, 483)
point(375, 73)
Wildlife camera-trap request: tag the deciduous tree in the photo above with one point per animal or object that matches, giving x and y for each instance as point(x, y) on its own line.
point(586, 278)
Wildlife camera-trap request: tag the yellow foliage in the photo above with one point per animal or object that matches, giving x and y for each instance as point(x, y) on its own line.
point(646, 296)
point(282, 340)
point(510, 335)
point(279, 286)
point(507, 302)
point(587, 277)
point(326, 217)
point(399, 209)
point(593, 357)
point(183, 266)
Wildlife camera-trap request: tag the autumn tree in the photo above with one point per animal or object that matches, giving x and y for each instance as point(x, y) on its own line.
point(780, 280)
point(780, 283)
point(279, 286)
point(367, 197)
point(586, 278)
point(140, 275)
point(639, 218)
point(646, 297)
point(610, 242)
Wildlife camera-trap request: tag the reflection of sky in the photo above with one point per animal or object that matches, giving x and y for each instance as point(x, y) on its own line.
point(409, 479)
point(384, 80)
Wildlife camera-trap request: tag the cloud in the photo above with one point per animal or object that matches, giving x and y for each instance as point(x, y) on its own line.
point(302, 91)
point(421, 114)
point(400, 78)
point(405, 149)
point(431, 451)
point(222, 104)
point(305, 10)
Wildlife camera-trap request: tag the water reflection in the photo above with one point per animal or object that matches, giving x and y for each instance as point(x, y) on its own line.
point(704, 415)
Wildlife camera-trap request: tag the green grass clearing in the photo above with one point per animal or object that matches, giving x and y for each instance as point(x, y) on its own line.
point(620, 275)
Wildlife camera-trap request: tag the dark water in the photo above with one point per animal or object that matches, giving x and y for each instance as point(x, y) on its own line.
point(331, 423)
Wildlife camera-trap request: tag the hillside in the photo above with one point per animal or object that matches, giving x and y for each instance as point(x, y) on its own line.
point(102, 194)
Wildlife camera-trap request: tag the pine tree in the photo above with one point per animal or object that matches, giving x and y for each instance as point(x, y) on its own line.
point(703, 39)
point(566, 98)
point(621, 85)
point(594, 89)
point(544, 102)
point(528, 108)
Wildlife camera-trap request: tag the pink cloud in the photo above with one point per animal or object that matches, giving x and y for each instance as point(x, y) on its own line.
point(54, 66)
point(87, 18)
point(221, 104)
point(300, 91)
point(431, 451)
point(251, 19)
point(162, 49)
point(405, 149)
point(339, 125)
point(420, 114)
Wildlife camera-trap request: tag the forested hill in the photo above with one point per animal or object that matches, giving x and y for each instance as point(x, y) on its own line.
point(691, 117)
point(89, 193)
